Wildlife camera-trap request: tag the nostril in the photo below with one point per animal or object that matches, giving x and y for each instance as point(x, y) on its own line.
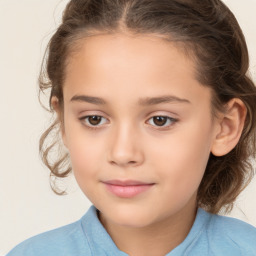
point(127, 163)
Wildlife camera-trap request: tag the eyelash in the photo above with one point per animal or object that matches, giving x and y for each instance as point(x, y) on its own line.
point(95, 127)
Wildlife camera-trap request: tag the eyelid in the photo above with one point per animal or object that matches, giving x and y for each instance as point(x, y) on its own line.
point(94, 127)
point(164, 127)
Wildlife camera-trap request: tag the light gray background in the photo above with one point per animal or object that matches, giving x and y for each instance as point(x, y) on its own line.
point(28, 206)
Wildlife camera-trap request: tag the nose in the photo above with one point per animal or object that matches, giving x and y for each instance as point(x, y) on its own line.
point(125, 149)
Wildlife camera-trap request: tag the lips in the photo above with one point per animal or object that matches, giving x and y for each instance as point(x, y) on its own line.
point(127, 188)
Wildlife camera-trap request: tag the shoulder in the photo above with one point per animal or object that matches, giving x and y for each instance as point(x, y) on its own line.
point(66, 240)
point(234, 228)
point(233, 233)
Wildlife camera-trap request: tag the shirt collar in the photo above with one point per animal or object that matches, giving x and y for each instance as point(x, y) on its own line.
point(97, 236)
point(100, 241)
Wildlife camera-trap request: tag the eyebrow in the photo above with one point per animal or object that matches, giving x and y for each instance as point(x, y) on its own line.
point(148, 101)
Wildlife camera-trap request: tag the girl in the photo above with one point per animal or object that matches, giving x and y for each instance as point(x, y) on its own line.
point(157, 112)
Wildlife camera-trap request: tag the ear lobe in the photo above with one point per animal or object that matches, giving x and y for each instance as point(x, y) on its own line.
point(55, 103)
point(231, 127)
point(57, 108)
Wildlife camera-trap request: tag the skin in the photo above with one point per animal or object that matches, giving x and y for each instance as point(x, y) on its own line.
point(128, 145)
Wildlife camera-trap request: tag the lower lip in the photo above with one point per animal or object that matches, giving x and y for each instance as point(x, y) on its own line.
point(128, 191)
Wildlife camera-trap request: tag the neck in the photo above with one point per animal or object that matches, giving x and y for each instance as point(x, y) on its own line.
point(156, 239)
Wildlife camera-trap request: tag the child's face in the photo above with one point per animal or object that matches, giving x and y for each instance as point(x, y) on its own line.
point(128, 143)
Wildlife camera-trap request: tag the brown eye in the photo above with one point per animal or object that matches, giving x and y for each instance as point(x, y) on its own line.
point(160, 120)
point(94, 120)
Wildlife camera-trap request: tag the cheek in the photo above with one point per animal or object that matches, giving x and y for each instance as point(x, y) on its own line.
point(85, 152)
point(85, 163)
point(84, 155)
point(183, 159)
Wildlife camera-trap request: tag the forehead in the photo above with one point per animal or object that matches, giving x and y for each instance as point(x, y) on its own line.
point(129, 66)
point(133, 54)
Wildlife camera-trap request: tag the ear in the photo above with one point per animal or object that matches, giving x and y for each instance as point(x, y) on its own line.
point(231, 125)
point(57, 108)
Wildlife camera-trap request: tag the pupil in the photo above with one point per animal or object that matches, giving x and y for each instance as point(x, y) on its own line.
point(94, 120)
point(160, 120)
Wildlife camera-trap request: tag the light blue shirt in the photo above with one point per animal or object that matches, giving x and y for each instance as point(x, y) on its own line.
point(210, 235)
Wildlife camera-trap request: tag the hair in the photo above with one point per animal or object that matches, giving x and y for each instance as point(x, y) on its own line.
point(208, 31)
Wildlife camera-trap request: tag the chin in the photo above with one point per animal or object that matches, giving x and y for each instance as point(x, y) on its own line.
point(128, 216)
point(132, 223)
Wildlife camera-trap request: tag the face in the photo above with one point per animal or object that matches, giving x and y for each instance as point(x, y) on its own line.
point(139, 150)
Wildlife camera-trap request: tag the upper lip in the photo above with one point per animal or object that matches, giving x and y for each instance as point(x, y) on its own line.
point(126, 182)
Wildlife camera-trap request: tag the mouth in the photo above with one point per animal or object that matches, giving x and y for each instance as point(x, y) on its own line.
point(127, 188)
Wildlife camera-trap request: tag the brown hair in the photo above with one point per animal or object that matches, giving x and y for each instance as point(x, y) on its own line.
point(209, 32)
